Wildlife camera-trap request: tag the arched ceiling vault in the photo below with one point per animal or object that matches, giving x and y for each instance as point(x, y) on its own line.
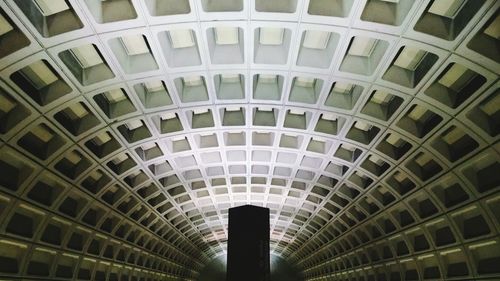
point(369, 128)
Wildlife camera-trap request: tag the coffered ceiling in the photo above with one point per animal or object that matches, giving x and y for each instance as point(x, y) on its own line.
point(369, 128)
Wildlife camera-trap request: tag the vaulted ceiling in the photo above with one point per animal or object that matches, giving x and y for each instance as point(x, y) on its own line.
point(369, 128)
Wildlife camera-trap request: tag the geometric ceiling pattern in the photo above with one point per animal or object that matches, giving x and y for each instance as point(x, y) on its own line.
point(369, 128)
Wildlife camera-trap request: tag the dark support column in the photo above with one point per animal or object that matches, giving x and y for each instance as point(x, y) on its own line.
point(248, 244)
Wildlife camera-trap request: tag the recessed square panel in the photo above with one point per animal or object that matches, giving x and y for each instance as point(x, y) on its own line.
point(381, 97)
point(233, 108)
point(409, 58)
point(39, 74)
point(102, 138)
point(330, 8)
point(362, 46)
point(306, 82)
point(95, 175)
point(181, 38)
point(222, 5)
point(200, 110)
point(400, 177)
point(5, 26)
point(446, 8)
point(226, 35)
point(51, 7)
point(329, 116)
point(316, 39)
point(297, 111)
point(265, 109)
point(168, 116)
point(135, 44)
point(377, 160)
point(6, 104)
point(493, 29)
point(107, 11)
point(452, 136)
point(395, 140)
point(192, 81)
point(148, 146)
point(159, 8)
point(417, 113)
point(271, 35)
point(73, 157)
point(134, 124)
point(115, 95)
point(342, 87)
point(76, 111)
point(362, 126)
point(423, 159)
point(453, 77)
point(154, 86)
point(491, 106)
point(86, 56)
point(276, 6)
point(42, 133)
point(267, 78)
point(119, 158)
point(230, 78)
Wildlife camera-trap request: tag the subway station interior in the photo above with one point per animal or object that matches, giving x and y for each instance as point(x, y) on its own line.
point(369, 128)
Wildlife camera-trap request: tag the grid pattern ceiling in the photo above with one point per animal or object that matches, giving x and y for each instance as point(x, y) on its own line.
point(369, 128)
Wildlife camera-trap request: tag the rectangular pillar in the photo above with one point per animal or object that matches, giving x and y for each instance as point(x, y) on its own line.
point(248, 244)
